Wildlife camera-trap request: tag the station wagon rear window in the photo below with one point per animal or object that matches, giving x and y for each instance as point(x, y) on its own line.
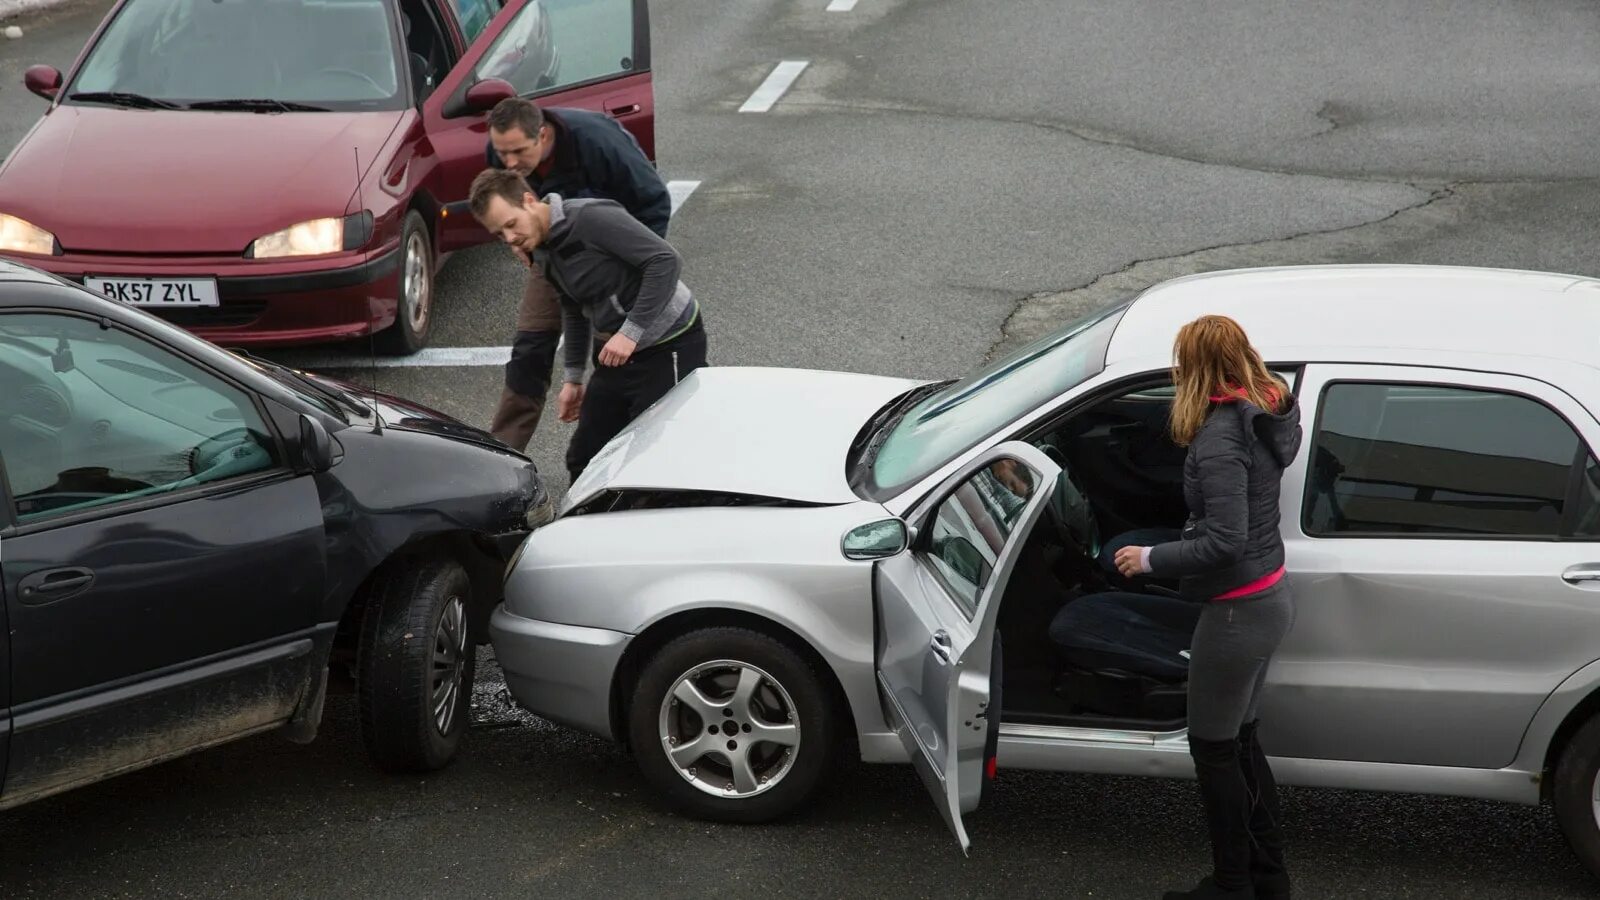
point(1436, 460)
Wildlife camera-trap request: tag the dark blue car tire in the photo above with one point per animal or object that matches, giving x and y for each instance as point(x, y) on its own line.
point(417, 648)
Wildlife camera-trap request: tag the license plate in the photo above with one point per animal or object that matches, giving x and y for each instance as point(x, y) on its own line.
point(157, 292)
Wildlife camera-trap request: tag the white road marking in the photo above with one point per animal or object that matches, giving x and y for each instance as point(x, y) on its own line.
point(779, 81)
point(680, 191)
point(432, 356)
point(841, 5)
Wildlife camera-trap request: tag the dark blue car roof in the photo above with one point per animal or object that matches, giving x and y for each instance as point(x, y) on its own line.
point(19, 280)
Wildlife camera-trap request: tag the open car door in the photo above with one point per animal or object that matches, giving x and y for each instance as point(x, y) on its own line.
point(592, 55)
point(937, 603)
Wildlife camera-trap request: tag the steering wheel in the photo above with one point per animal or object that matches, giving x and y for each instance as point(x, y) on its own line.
point(355, 74)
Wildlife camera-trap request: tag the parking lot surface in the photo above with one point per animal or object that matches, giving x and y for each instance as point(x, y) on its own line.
point(943, 179)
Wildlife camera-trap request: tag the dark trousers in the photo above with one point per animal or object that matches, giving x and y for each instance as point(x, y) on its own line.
point(616, 395)
point(1233, 644)
point(533, 357)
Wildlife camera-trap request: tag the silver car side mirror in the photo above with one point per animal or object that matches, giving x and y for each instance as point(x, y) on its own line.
point(876, 540)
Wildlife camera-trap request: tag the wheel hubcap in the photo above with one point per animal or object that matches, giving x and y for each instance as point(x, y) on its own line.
point(730, 729)
point(449, 657)
point(418, 287)
point(1594, 799)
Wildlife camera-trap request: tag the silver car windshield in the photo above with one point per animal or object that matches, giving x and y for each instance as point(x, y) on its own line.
point(955, 419)
point(330, 54)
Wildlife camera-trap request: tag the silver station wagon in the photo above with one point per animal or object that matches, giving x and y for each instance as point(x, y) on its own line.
point(774, 566)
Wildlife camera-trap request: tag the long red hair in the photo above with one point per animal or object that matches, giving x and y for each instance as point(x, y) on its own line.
point(1212, 358)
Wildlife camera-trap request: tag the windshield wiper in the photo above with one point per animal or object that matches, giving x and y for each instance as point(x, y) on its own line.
point(124, 98)
point(283, 373)
point(258, 104)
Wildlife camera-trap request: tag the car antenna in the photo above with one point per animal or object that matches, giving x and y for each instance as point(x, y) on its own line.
point(372, 338)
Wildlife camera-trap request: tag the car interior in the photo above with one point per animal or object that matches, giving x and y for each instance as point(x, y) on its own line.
point(88, 420)
point(325, 51)
point(428, 51)
point(1118, 660)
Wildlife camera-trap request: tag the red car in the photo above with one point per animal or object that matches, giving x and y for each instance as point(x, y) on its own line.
point(271, 172)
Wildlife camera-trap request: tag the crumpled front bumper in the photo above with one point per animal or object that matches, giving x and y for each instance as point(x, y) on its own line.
point(559, 672)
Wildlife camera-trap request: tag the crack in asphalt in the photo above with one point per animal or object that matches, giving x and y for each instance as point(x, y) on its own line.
point(798, 100)
point(1141, 274)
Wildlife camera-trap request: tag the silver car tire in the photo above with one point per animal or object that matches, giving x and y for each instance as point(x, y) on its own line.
point(1575, 794)
point(747, 698)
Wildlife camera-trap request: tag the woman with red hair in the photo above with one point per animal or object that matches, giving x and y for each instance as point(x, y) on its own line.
point(1241, 426)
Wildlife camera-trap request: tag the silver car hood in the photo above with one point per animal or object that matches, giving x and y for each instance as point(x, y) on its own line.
point(767, 432)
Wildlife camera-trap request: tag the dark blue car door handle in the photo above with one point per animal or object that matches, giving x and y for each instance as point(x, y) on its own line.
point(53, 584)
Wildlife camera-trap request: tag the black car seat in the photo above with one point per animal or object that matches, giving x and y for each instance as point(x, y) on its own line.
point(423, 70)
point(1125, 655)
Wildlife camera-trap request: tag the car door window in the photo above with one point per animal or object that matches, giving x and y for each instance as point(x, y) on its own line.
point(474, 16)
point(92, 416)
point(555, 44)
point(970, 527)
point(1411, 459)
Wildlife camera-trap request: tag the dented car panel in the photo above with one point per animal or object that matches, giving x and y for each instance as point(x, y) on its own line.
point(1441, 526)
point(154, 623)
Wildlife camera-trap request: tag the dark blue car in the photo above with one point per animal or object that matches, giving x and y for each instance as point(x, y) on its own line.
point(196, 546)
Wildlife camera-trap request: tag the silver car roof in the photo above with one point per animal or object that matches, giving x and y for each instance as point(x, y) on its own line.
point(1394, 313)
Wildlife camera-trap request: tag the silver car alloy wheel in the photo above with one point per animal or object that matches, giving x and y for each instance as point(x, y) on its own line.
point(730, 729)
point(1594, 798)
point(418, 287)
point(449, 657)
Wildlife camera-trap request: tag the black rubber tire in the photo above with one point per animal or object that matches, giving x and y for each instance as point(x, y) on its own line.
point(401, 339)
point(1572, 794)
point(395, 665)
point(814, 707)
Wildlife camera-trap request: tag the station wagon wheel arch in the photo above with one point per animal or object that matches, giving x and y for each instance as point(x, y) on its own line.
point(482, 569)
point(658, 635)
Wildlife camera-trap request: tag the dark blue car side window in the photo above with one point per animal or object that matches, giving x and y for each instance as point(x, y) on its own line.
point(91, 417)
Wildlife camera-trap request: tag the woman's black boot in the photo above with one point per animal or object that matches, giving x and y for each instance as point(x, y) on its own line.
point(1267, 870)
point(1227, 803)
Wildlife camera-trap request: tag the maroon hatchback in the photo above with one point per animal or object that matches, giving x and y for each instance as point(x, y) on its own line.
point(270, 172)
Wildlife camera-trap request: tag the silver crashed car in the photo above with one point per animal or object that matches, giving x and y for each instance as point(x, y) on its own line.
point(774, 566)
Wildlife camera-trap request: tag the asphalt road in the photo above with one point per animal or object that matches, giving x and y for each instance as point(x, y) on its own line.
point(946, 178)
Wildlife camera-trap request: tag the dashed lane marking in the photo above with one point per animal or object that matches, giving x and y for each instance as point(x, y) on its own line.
point(774, 87)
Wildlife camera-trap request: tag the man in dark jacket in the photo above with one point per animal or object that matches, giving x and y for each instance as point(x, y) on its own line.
point(575, 153)
point(621, 302)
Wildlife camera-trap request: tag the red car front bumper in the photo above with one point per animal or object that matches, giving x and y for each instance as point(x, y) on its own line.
point(276, 303)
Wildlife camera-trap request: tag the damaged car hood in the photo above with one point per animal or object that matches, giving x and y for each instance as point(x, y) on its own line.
point(760, 432)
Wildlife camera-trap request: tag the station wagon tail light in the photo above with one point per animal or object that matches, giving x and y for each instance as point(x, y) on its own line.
point(21, 236)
